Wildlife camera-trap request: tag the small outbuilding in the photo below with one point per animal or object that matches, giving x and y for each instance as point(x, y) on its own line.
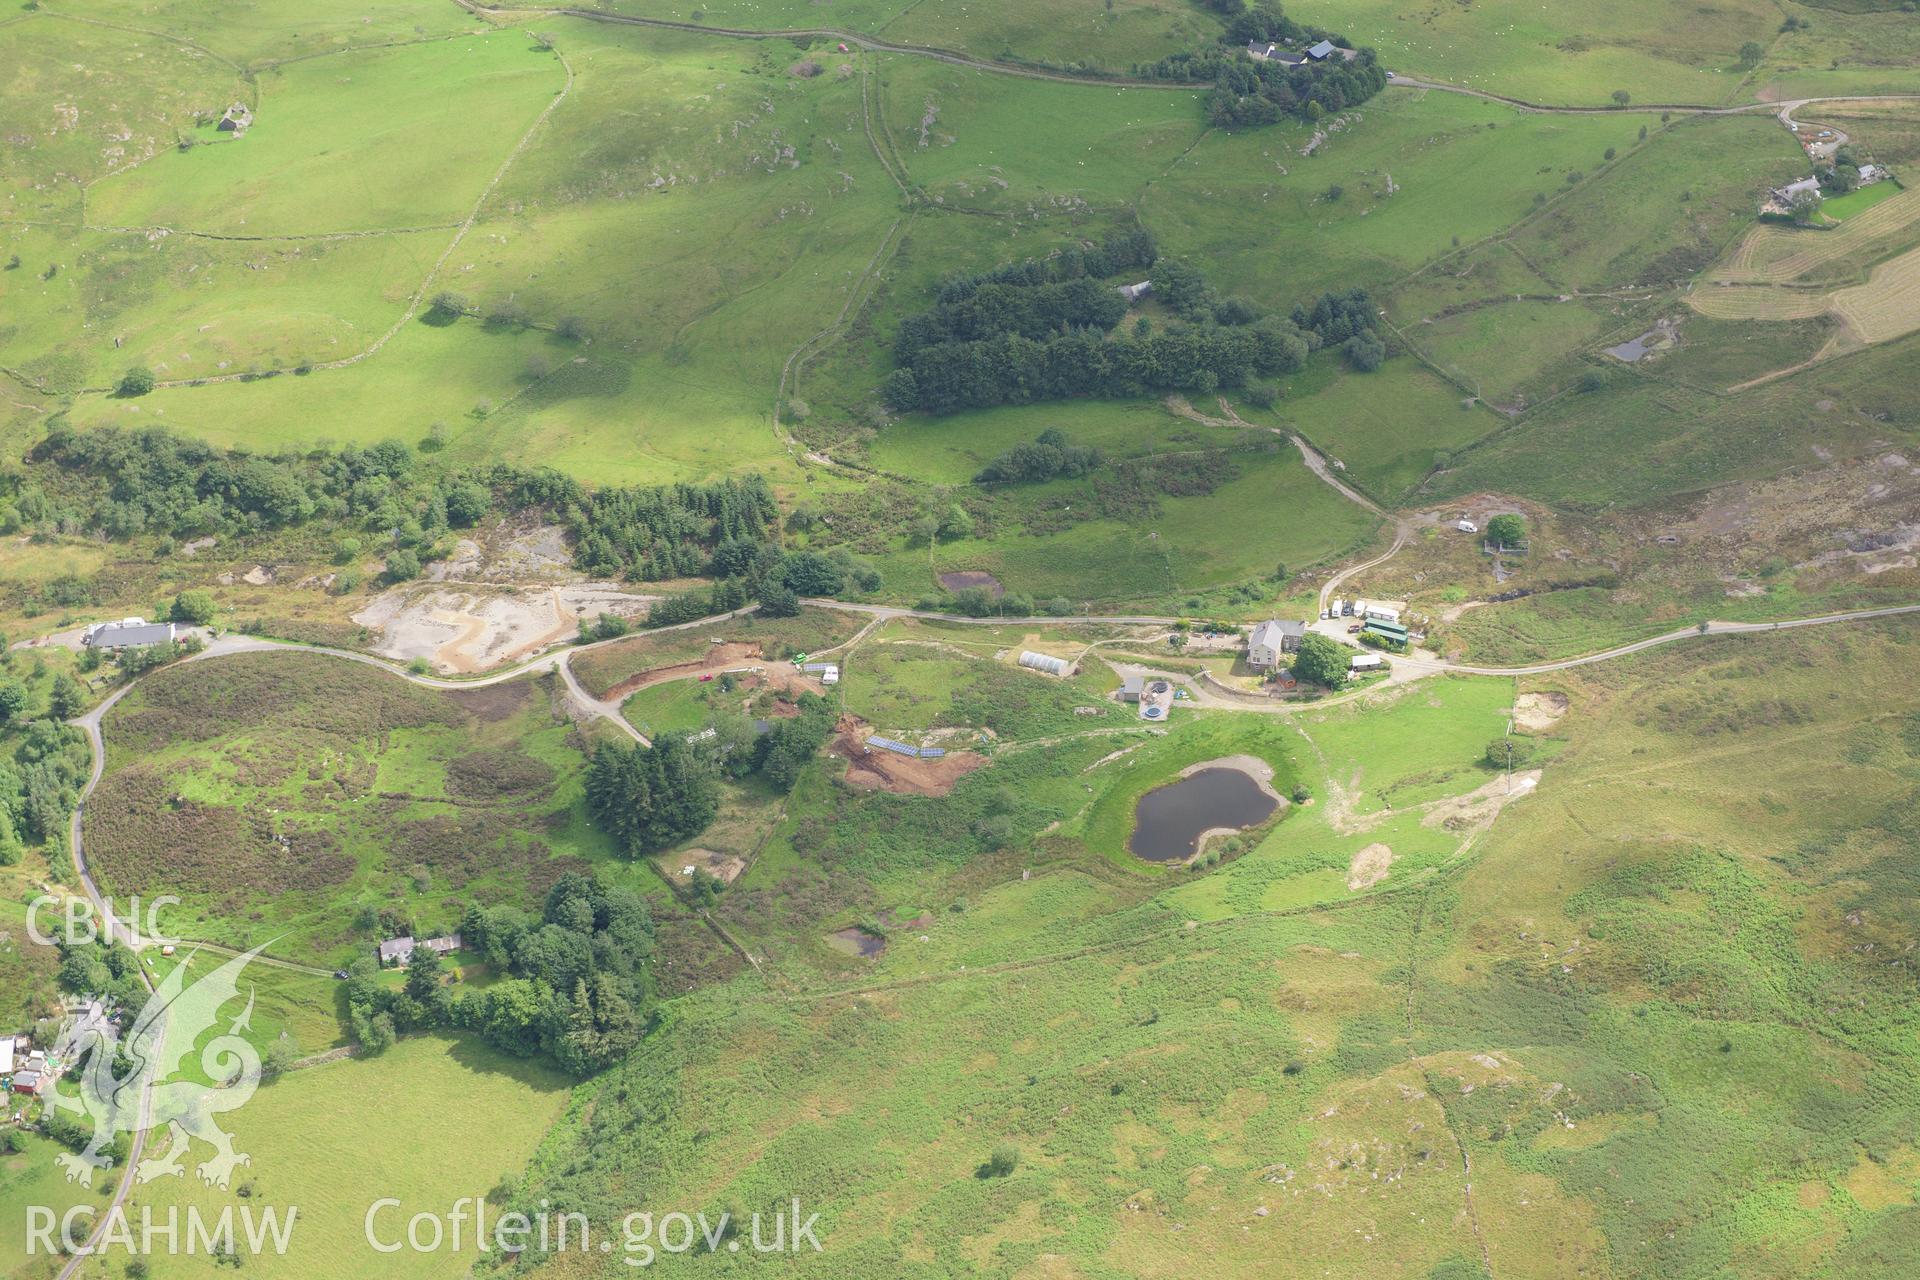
point(236, 119)
point(1366, 662)
point(1135, 292)
point(1322, 51)
point(28, 1082)
point(1131, 687)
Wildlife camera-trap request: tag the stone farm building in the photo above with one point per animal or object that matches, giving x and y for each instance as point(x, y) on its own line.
point(236, 119)
point(1271, 639)
point(1780, 199)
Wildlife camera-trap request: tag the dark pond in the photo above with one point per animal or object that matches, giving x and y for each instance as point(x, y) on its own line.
point(1169, 820)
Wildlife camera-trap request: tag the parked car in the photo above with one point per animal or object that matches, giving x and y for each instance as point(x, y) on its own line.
point(706, 678)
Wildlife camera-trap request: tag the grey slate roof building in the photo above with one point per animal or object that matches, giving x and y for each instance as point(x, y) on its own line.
point(1267, 51)
point(1321, 51)
point(400, 950)
point(127, 633)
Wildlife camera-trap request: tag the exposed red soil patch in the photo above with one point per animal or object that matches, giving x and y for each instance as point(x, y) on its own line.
point(878, 769)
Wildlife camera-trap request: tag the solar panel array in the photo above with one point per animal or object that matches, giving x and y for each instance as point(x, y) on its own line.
point(906, 748)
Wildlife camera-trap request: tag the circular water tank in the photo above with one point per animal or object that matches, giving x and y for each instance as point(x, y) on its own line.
point(1158, 686)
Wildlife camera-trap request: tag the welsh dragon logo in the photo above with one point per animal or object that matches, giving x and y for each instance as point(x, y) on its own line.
point(142, 1098)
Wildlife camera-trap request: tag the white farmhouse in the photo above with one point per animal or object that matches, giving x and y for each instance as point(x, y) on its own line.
point(1271, 639)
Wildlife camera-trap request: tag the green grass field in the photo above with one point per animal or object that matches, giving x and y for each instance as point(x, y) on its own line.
point(335, 143)
point(29, 1179)
point(680, 706)
point(1839, 52)
point(332, 1139)
point(263, 33)
point(1841, 208)
point(1648, 440)
point(1178, 547)
point(139, 96)
point(190, 307)
point(306, 1010)
point(1410, 171)
point(1053, 32)
point(1390, 427)
point(967, 137)
point(1558, 55)
point(953, 449)
point(1665, 209)
point(1513, 354)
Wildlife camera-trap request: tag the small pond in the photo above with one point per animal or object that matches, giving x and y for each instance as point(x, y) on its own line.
point(857, 942)
point(1169, 821)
